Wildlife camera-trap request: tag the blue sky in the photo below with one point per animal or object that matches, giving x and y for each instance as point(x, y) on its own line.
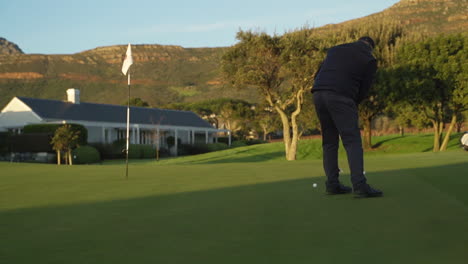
point(67, 26)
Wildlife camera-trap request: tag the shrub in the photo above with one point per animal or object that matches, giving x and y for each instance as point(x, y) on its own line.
point(148, 152)
point(217, 147)
point(134, 152)
point(225, 140)
point(187, 149)
point(164, 152)
point(33, 142)
point(50, 129)
point(254, 142)
point(171, 141)
point(116, 150)
point(110, 151)
point(239, 143)
point(4, 141)
point(86, 155)
point(141, 152)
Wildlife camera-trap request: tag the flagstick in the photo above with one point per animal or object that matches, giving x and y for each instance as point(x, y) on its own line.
point(128, 127)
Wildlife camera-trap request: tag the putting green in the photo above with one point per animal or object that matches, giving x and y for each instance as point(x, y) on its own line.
point(238, 212)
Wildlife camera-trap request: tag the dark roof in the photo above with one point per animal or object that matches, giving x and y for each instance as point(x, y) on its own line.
point(52, 109)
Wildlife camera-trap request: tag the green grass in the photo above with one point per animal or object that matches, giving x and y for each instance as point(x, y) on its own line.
point(312, 150)
point(235, 212)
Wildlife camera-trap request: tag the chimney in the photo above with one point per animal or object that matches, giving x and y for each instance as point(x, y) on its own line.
point(73, 95)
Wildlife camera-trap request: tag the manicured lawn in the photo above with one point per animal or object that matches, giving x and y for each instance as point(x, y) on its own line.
point(235, 211)
point(312, 150)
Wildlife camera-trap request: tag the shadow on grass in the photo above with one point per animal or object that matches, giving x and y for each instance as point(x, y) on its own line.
point(454, 142)
point(380, 143)
point(232, 159)
point(418, 221)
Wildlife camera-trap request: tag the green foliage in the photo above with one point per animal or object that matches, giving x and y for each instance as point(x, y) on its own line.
point(189, 149)
point(52, 128)
point(434, 79)
point(216, 146)
point(249, 142)
point(137, 101)
point(238, 143)
point(280, 68)
point(171, 141)
point(86, 155)
point(110, 151)
point(65, 139)
point(435, 71)
point(141, 152)
point(232, 114)
point(4, 136)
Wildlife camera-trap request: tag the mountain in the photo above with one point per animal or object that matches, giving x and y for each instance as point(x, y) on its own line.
point(168, 74)
point(160, 75)
point(427, 16)
point(8, 48)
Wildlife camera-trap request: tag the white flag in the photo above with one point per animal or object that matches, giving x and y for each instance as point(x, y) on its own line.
point(128, 60)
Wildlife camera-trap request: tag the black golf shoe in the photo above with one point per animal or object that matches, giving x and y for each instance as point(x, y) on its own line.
point(367, 192)
point(338, 189)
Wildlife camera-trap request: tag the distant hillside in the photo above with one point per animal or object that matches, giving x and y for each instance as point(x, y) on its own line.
point(8, 48)
point(427, 16)
point(169, 74)
point(160, 75)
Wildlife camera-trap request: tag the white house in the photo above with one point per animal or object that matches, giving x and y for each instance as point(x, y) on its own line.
point(106, 123)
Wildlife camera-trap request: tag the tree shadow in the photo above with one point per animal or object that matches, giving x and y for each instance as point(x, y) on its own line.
point(420, 218)
point(380, 143)
point(232, 159)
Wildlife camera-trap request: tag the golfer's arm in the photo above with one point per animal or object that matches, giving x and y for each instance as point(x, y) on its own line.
point(367, 82)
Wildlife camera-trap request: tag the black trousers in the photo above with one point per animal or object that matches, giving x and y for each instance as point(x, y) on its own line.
point(339, 117)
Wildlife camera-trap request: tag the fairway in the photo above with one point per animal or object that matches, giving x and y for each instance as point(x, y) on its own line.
point(235, 212)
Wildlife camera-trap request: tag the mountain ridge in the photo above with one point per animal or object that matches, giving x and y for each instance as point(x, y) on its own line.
point(8, 48)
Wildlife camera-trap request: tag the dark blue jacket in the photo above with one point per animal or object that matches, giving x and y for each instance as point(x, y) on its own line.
point(348, 69)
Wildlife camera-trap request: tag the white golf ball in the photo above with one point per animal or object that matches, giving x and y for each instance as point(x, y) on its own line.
point(315, 185)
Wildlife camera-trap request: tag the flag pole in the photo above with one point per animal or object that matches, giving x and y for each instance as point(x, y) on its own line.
point(128, 61)
point(128, 128)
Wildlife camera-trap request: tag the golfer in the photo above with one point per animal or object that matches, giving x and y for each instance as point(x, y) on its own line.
point(341, 83)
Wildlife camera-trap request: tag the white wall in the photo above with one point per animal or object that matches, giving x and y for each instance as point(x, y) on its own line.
point(94, 134)
point(17, 114)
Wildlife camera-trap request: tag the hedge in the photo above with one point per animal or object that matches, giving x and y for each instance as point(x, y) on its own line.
point(33, 142)
point(238, 143)
point(50, 129)
point(86, 155)
point(171, 141)
point(110, 151)
point(4, 139)
point(141, 152)
point(187, 149)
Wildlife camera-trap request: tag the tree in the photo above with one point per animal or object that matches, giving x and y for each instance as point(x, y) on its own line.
point(64, 140)
point(233, 114)
point(436, 74)
point(137, 101)
point(406, 115)
point(236, 115)
point(308, 120)
point(280, 68)
point(266, 121)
